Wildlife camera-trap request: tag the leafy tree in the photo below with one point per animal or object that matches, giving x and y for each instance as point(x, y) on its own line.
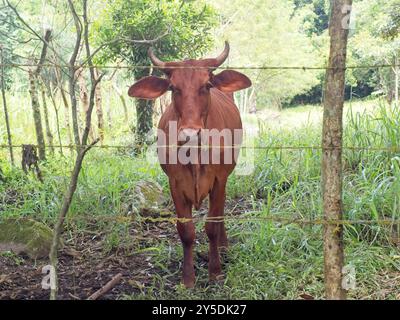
point(183, 30)
point(8, 41)
point(315, 15)
point(267, 33)
point(392, 28)
point(377, 41)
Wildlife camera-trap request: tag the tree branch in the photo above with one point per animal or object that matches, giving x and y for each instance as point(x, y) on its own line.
point(82, 150)
point(32, 31)
point(47, 37)
point(124, 39)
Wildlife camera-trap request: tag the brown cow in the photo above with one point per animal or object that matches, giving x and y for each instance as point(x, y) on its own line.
point(200, 101)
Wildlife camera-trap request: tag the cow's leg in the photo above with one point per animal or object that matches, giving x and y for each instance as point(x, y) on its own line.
point(216, 230)
point(186, 232)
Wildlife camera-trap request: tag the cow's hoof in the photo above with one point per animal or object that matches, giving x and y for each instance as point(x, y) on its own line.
point(216, 279)
point(223, 248)
point(189, 283)
point(223, 243)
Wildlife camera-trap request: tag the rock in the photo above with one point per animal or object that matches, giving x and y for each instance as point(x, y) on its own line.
point(25, 236)
point(146, 198)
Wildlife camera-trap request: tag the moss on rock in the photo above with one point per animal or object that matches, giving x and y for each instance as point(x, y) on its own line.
point(25, 236)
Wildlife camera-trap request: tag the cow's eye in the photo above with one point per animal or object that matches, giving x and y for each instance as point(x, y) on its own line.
point(204, 89)
point(175, 90)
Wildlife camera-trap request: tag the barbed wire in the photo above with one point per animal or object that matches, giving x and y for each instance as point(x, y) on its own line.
point(275, 147)
point(228, 218)
point(51, 65)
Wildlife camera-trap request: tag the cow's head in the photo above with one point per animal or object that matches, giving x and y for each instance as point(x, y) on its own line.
point(190, 82)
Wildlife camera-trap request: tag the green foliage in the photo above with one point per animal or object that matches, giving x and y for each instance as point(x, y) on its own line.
point(8, 35)
point(392, 27)
point(374, 41)
point(315, 15)
point(189, 26)
point(277, 40)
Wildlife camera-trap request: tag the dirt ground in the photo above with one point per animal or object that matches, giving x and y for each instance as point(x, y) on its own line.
point(83, 269)
point(85, 266)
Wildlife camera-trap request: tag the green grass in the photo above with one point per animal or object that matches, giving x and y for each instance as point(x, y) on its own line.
point(268, 260)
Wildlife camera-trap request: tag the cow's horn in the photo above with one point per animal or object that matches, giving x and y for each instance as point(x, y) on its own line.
point(222, 57)
point(157, 62)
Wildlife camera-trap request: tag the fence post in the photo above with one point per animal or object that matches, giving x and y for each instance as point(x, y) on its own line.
point(332, 148)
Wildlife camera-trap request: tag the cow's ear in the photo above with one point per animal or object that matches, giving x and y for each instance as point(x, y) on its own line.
point(149, 88)
point(230, 81)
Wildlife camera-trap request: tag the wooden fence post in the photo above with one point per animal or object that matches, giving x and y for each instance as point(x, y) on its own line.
point(332, 148)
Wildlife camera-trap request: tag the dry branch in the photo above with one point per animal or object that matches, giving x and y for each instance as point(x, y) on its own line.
point(72, 72)
point(64, 210)
point(107, 287)
point(82, 149)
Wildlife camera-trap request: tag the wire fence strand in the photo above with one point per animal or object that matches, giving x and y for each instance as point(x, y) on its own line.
point(236, 218)
point(52, 65)
point(274, 147)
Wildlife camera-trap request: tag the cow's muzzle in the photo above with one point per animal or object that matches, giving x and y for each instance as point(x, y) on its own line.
point(186, 135)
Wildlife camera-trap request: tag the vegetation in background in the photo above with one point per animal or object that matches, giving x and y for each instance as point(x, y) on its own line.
point(183, 30)
point(276, 40)
point(8, 32)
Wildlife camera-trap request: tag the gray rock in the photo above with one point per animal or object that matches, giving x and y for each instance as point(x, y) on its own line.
point(25, 236)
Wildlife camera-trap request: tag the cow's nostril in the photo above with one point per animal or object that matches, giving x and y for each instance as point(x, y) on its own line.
point(188, 134)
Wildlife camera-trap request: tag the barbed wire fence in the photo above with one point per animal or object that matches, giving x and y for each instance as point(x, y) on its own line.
point(146, 67)
point(272, 217)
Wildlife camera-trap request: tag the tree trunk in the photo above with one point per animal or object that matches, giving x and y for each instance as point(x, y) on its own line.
point(123, 101)
point(253, 102)
point(332, 150)
point(71, 71)
point(65, 102)
point(99, 109)
point(3, 93)
point(144, 122)
point(37, 118)
point(108, 109)
point(46, 120)
point(144, 117)
point(57, 118)
point(84, 97)
point(74, 105)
